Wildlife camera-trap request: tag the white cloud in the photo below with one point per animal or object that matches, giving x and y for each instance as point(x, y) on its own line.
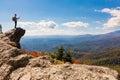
point(114, 21)
point(39, 25)
point(46, 28)
point(75, 24)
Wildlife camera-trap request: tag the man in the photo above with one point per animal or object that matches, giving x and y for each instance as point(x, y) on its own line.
point(15, 19)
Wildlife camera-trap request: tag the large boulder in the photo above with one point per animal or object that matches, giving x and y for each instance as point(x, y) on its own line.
point(64, 72)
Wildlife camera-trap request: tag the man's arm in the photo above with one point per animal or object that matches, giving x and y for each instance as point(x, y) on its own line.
point(18, 18)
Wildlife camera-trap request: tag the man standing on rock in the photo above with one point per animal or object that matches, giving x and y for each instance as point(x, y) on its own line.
point(15, 19)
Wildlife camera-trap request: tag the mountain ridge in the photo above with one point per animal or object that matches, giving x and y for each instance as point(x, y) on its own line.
point(88, 42)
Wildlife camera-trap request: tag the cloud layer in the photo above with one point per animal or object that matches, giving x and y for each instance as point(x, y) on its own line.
point(50, 28)
point(75, 24)
point(114, 21)
point(53, 32)
point(39, 25)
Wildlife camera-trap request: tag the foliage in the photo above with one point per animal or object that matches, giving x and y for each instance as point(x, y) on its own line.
point(76, 61)
point(34, 53)
point(62, 55)
point(68, 57)
point(59, 54)
point(109, 56)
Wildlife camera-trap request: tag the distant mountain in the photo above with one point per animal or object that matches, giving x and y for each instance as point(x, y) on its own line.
point(100, 42)
point(82, 43)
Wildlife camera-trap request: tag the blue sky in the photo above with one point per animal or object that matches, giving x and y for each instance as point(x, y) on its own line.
point(61, 17)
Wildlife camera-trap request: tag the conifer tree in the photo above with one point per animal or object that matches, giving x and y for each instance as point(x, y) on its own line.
point(60, 53)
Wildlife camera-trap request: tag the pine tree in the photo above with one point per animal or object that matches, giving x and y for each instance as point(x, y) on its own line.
point(60, 53)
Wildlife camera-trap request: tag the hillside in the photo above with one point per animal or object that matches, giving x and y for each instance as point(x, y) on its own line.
point(102, 57)
point(109, 58)
point(16, 65)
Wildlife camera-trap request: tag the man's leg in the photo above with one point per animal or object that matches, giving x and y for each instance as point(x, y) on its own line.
point(15, 24)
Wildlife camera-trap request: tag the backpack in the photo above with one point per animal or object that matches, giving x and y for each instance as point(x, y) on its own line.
point(14, 19)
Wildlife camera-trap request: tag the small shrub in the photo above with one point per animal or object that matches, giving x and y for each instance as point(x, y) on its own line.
point(34, 53)
point(76, 62)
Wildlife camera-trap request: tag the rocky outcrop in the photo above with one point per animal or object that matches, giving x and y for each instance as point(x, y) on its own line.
point(9, 51)
point(13, 35)
point(8, 44)
point(15, 65)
